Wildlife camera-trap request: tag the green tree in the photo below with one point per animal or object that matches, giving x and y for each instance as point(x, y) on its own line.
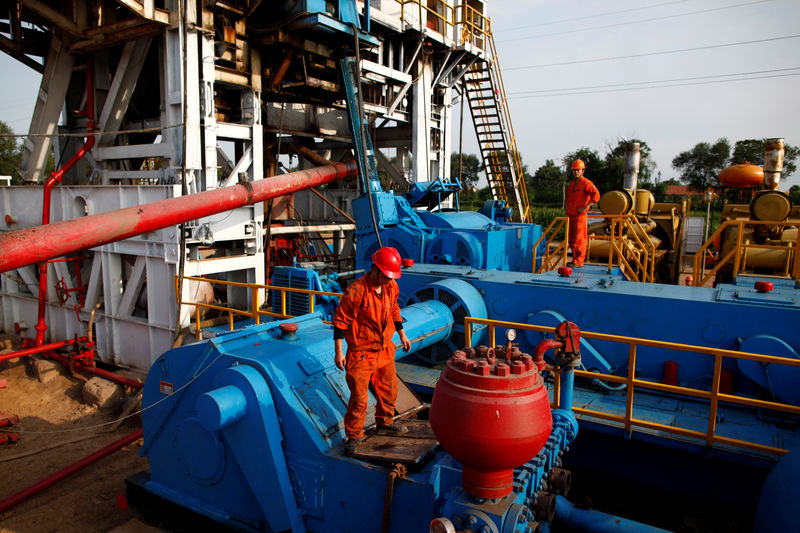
point(794, 194)
point(546, 184)
point(471, 168)
point(700, 166)
point(10, 153)
point(752, 151)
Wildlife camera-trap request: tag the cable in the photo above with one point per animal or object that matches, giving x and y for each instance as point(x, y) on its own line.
point(634, 21)
point(593, 16)
point(660, 86)
point(662, 52)
point(655, 81)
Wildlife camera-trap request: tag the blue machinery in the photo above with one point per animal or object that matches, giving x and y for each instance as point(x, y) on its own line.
point(247, 429)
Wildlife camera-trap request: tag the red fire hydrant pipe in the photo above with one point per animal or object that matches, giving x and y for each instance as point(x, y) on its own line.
point(54, 478)
point(41, 349)
point(34, 245)
point(541, 348)
point(56, 177)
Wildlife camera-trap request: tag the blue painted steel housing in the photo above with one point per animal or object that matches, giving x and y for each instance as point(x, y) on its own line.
point(463, 238)
point(733, 317)
point(246, 428)
point(305, 278)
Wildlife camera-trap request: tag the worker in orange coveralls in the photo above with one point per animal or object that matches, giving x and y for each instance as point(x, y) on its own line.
point(367, 318)
point(581, 193)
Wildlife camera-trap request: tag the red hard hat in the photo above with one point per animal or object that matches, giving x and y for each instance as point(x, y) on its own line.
point(388, 261)
point(578, 163)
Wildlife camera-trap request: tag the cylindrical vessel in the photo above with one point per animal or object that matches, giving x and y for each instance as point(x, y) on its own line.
point(644, 202)
point(425, 324)
point(771, 205)
point(742, 176)
point(616, 202)
point(773, 162)
point(492, 416)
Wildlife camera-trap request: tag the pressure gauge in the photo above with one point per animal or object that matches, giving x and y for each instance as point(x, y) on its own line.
point(511, 334)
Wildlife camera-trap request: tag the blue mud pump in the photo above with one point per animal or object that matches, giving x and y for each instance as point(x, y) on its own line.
point(247, 430)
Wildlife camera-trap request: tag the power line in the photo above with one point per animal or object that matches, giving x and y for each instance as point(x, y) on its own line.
point(635, 21)
point(593, 16)
point(662, 52)
point(655, 86)
point(656, 81)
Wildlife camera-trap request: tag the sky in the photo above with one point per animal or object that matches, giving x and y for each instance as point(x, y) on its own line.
point(591, 101)
point(705, 69)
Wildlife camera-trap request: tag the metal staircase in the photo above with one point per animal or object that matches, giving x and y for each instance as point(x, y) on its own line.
point(485, 92)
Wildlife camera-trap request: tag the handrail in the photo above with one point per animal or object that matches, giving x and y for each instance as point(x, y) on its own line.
point(714, 396)
point(738, 254)
point(641, 267)
point(547, 261)
point(473, 24)
point(254, 312)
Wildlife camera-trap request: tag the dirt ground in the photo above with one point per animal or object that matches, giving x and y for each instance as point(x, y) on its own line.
point(56, 429)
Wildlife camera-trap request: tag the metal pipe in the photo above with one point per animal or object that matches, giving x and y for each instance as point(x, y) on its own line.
point(630, 178)
point(82, 367)
point(55, 178)
point(41, 349)
point(34, 245)
point(52, 479)
point(773, 162)
point(572, 518)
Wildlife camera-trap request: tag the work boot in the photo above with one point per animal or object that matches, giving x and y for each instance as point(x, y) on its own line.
point(390, 429)
point(351, 447)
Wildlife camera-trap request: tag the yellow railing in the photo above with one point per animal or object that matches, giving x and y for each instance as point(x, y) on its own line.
point(254, 312)
point(471, 24)
point(738, 253)
point(549, 261)
point(638, 264)
point(628, 421)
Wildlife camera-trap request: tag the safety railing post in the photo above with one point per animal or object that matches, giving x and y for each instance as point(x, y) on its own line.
point(712, 415)
point(468, 331)
point(629, 388)
point(198, 334)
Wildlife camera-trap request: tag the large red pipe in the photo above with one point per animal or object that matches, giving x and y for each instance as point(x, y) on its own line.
point(34, 245)
point(52, 479)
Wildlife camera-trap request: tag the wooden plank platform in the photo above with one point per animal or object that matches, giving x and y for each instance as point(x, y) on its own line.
point(408, 447)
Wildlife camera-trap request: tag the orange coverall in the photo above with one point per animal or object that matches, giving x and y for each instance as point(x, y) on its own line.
point(580, 194)
point(368, 319)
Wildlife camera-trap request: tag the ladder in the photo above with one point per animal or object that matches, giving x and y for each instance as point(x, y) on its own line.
point(486, 95)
